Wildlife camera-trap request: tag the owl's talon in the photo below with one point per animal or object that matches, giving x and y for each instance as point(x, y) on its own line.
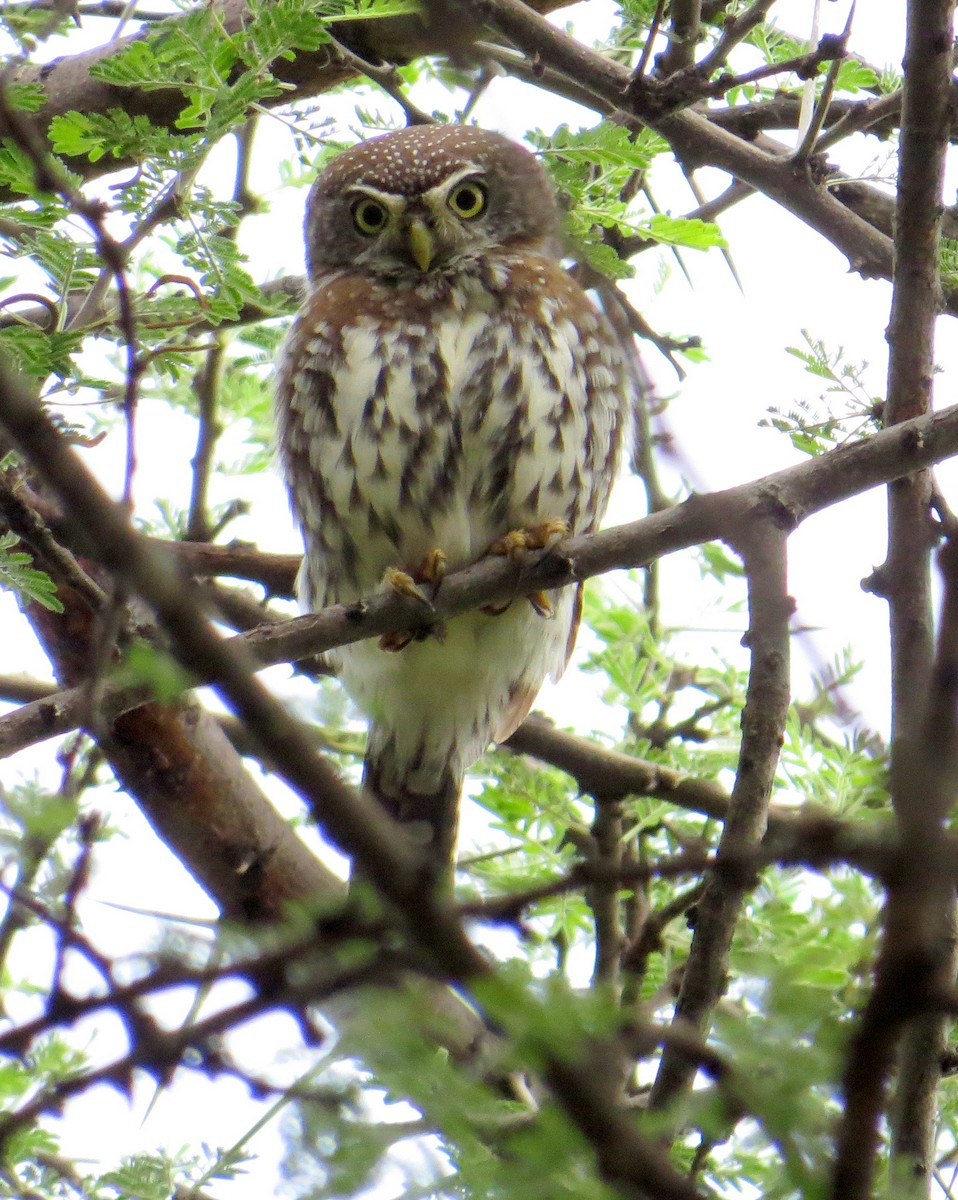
point(432, 569)
point(396, 641)
point(404, 584)
point(550, 533)
point(542, 604)
point(511, 545)
point(514, 544)
point(400, 639)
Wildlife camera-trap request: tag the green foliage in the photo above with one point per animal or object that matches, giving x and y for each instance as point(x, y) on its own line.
point(197, 56)
point(486, 1146)
point(948, 252)
point(39, 355)
point(842, 776)
point(228, 285)
point(32, 814)
point(686, 717)
point(18, 574)
point(144, 664)
point(121, 135)
point(25, 97)
point(594, 170)
point(640, 11)
point(680, 231)
point(158, 1176)
point(775, 46)
point(17, 171)
point(360, 10)
point(854, 76)
point(847, 411)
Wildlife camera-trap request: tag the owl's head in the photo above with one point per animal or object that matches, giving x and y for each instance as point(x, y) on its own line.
point(428, 198)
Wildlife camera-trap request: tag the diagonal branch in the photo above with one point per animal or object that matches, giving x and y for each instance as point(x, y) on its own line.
point(694, 139)
point(793, 494)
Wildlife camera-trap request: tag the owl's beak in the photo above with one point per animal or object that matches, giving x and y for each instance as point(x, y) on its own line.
point(421, 243)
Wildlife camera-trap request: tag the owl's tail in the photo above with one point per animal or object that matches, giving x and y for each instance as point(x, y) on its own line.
point(431, 817)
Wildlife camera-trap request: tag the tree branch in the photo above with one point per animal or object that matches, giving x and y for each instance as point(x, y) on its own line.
point(704, 978)
point(683, 38)
point(68, 84)
point(694, 139)
point(916, 951)
point(794, 494)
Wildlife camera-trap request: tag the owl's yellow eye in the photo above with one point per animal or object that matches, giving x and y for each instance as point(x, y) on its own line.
point(369, 216)
point(467, 200)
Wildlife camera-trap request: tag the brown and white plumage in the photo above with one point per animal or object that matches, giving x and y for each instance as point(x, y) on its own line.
point(445, 382)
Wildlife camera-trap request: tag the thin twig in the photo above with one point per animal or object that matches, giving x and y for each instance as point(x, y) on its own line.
point(824, 101)
point(653, 33)
point(206, 387)
point(733, 32)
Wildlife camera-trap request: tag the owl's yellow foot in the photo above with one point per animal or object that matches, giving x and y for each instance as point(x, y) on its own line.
point(406, 583)
point(432, 569)
point(537, 537)
point(514, 544)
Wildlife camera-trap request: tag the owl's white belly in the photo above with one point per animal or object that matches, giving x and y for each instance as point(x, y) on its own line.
point(435, 706)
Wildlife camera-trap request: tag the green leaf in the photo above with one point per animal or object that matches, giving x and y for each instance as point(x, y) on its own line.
point(145, 664)
point(25, 97)
point(680, 231)
point(17, 171)
point(19, 576)
point(358, 10)
point(855, 76)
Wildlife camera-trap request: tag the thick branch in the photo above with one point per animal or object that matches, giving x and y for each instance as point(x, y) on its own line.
point(915, 953)
point(190, 784)
point(683, 37)
point(915, 967)
point(69, 86)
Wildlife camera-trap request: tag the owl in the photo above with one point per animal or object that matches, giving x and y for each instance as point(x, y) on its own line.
point(446, 390)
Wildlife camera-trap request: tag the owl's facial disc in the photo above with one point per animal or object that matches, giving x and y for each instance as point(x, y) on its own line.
point(428, 229)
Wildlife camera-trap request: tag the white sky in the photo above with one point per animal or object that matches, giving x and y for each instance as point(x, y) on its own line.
point(791, 279)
